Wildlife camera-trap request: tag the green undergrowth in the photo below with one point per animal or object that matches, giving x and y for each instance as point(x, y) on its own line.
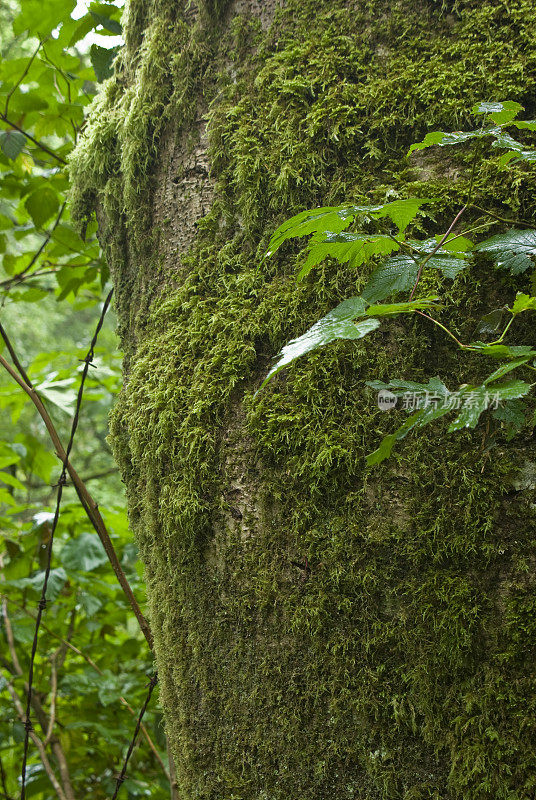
point(322, 631)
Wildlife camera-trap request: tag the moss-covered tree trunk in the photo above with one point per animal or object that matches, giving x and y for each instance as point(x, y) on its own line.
point(322, 631)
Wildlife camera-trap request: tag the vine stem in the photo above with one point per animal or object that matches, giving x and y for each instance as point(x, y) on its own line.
point(434, 251)
point(88, 503)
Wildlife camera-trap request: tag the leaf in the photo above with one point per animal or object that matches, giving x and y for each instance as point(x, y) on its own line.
point(402, 212)
point(503, 350)
point(42, 18)
point(333, 219)
point(110, 25)
point(41, 205)
point(523, 302)
point(500, 113)
point(447, 139)
point(516, 151)
point(85, 553)
point(434, 401)
point(11, 143)
point(399, 273)
point(505, 368)
point(56, 581)
point(479, 398)
point(102, 59)
point(354, 248)
point(511, 250)
point(338, 324)
point(400, 308)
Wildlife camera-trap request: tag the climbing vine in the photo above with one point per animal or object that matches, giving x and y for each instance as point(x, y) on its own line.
point(405, 262)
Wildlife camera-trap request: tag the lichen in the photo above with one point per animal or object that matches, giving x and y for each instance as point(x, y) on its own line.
point(322, 631)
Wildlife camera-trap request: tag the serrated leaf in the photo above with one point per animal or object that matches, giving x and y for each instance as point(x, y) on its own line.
point(85, 553)
point(352, 248)
point(516, 151)
point(523, 302)
point(478, 399)
point(11, 143)
point(42, 204)
point(402, 212)
point(399, 273)
point(503, 350)
point(332, 219)
point(512, 415)
point(448, 139)
point(512, 250)
point(505, 368)
point(384, 309)
point(338, 324)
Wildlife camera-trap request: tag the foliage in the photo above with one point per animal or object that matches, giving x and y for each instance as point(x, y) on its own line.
point(52, 283)
point(447, 254)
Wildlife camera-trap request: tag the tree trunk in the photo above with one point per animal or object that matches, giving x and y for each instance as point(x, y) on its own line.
point(322, 631)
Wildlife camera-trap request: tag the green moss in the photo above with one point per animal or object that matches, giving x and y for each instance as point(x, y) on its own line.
point(322, 631)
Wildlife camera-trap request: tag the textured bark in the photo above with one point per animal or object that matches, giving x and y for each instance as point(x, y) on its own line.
point(321, 631)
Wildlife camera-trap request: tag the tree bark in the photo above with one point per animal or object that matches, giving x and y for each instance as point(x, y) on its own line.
point(321, 631)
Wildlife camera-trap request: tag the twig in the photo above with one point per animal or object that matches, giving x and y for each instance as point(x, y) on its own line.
point(434, 251)
point(20, 80)
point(37, 143)
point(502, 219)
point(42, 602)
point(53, 696)
point(122, 775)
point(88, 503)
point(69, 645)
point(46, 240)
point(174, 789)
point(3, 778)
point(10, 639)
point(38, 743)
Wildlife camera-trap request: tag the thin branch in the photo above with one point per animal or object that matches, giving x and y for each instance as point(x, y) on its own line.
point(502, 219)
point(434, 251)
point(20, 80)
point(3, 779)
point(121, 777)
point(37, 143)
point(38, 743)
point(70, 646)
point(10, 639)
point(87, 501)
point(46, 240)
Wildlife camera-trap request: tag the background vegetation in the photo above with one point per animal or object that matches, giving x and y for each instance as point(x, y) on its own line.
point(91, 659)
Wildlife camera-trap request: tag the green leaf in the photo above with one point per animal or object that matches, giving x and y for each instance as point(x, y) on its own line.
point(11, 143)
point(338, 324)
point(354, 248)
point(102, 59)
point(523, 302)
point(85, 553)
point(447, 139)
point(478, 399)
point(500, 113)
point(333, 219)
point(400, 308)
point(40, 18)
point(512, 250)
point(402, 212)
point(505, 368)
point(110, 25)
point(42, 204)
point(503, 350)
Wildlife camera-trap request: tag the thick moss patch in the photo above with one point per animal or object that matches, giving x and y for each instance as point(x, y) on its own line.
point(322, 631)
